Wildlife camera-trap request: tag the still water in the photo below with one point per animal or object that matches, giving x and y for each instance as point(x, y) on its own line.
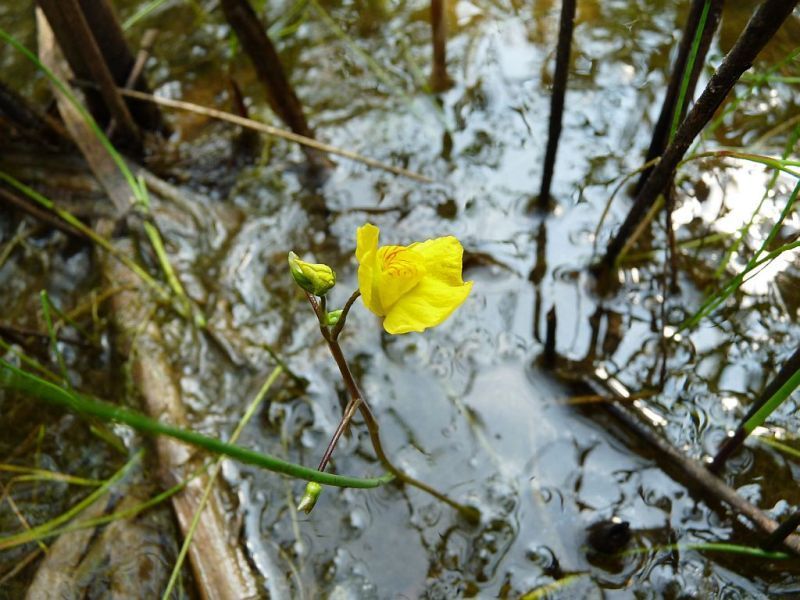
point(464, 406)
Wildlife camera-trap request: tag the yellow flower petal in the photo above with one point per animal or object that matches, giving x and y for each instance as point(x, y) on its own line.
point(400, 270)
point(427, 305)
point(366, 240)
point(443, 258)
point(414, 287)
point(367, 275)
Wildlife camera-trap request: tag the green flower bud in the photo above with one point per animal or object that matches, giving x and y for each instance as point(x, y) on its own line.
point(310, 497)
point(332, 318)
point(314, 278)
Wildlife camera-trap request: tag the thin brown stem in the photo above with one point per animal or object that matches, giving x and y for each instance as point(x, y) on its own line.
point(357, 402)
point(312, 300)
point(347, 416)
point(337, 329)
point(468, 512)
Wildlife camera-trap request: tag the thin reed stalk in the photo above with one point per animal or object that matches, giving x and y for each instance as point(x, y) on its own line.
point(440, 80)
point(776, 392)
point(565, 30)
point(701, 23)
point(759, 30)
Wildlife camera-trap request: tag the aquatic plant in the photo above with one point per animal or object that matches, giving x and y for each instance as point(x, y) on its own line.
point(413, 287)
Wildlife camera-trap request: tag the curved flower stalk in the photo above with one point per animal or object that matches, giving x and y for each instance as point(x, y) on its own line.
point(412, 287)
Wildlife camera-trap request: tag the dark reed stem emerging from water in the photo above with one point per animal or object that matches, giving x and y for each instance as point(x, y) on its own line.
point(789, 525)
point(557, 100)
point(550, 339)
point(661, 132)
point(734, 442)
point(75, 37)
point(440, 80)
point(759, 30)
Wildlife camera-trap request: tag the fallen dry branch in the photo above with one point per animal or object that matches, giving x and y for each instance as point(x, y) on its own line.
point(218, 562)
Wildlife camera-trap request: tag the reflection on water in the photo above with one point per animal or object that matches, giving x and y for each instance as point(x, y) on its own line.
point(463, 406)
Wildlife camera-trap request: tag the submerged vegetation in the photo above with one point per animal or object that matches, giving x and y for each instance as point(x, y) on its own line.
point(565, 393)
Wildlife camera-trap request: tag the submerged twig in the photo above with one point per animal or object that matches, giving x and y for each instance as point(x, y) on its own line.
point(40, 214)
point(212, 478)
point(788, 526)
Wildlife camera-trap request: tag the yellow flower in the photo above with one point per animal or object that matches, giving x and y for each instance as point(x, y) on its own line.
point(314, 278)
point(413, 287)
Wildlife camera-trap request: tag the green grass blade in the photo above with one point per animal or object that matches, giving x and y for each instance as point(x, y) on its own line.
point(125, 513)
point(187, 540)
point(87, 117)
point(786, 449)
point(13, 378)
point(45, 300)
point(790, 143)
point(758, 79)
point(713, 547)
point(27, 360)
point(142, 13)
point(552, 590)
point(36, 474)
point(88, 232)
point(687, 71)
point(732, 285)
point(35, 533)
point(137, 188)
point(778, 398)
